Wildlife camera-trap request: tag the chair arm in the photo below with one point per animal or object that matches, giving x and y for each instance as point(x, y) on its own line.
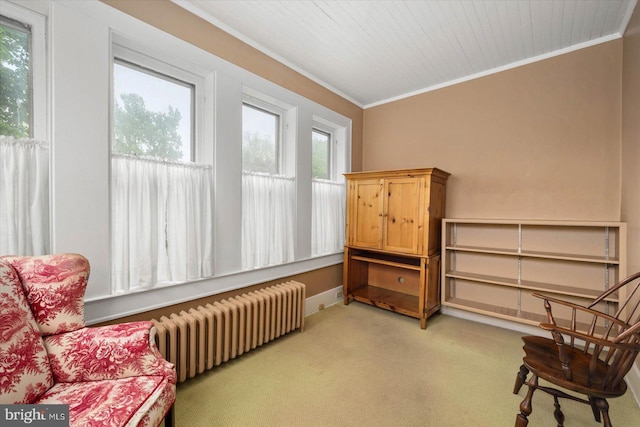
point(634, 330)
point(590, 339)
point(107, 352)
point(577, 307)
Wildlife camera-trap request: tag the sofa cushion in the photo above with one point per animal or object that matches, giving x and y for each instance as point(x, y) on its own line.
point(106, 352)
point(123, 402)
point(54, 286)
point(24, 368)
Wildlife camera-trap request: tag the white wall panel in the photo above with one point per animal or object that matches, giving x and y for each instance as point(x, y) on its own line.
point(79, 45)
point(80, 145)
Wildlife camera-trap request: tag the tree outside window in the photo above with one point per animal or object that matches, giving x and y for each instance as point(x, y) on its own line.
point(260, 136)
point(15, 90)
point(320, 149)
point(152, 114)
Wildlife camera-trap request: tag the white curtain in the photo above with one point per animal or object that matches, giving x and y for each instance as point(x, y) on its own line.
point(24, 197)
point(268, 212)
point(162, 222)
point(328, 218)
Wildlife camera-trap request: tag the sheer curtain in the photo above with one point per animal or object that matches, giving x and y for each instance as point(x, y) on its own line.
point(24, 196)
point(268, 211)
point(162, 222)
point(328, 218)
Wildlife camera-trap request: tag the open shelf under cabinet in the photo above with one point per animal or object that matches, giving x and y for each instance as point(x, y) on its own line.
point(390, 300)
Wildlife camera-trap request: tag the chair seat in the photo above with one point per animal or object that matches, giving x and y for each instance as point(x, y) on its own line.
point(121, 402)
point(542, 358)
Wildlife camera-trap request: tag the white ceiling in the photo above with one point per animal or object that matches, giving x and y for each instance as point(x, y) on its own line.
point(372, 52)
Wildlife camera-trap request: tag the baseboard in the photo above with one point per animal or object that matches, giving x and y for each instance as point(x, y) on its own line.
point(493, 321)
point(633, 381)
point(632, 378)
point(323, 300)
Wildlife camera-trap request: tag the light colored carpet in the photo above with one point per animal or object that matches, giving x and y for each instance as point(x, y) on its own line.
point(358, 365)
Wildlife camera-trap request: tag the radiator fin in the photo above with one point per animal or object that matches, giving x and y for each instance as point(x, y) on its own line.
point(206, 336)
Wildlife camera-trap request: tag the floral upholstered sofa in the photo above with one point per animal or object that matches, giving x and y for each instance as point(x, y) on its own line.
point(108, 375)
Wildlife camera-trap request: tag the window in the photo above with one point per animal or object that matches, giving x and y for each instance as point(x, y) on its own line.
point(15, 73)
point(268, 191)
point(153, 113)
point(24, 168)
point(260, 140)
point(320, 154)
point(328, 188)
point(161, 200)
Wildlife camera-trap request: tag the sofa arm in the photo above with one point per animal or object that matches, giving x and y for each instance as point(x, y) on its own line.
point(107, 352)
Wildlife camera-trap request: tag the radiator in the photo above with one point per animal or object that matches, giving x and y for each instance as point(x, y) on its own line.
point(206, 336)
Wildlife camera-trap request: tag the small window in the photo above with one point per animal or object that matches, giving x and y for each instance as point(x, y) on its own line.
point(153, 113)
point(260, 140)
point(16, 104)
point(321, 154)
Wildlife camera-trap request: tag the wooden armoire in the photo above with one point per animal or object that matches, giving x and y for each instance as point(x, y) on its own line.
point(393, 232)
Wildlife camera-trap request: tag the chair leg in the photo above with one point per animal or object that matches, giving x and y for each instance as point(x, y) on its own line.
point(594, 408)
point(604, 410)
point(558, 412)
point(521, 377)
point(170, 417)
point(525, 406)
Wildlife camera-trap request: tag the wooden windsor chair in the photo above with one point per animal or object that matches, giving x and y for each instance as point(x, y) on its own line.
point(590, 355)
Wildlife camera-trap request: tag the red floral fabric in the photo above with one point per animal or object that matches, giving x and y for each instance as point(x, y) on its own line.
point(111, 403)
point(107, 352)
point(109, 376)
point(55, 286)
point(159, 409)
point(24, 370)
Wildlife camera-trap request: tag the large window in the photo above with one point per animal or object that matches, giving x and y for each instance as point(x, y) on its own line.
point(162, 201)
point(268, 191)
point(24, 160)
point(328, 188)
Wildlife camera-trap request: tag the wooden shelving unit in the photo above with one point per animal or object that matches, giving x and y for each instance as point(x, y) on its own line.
point(492, 267)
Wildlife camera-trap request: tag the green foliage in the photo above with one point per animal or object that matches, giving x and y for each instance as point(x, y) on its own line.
point(141, 131)
point(320, 157)
point(258, 153)
point(15, 99)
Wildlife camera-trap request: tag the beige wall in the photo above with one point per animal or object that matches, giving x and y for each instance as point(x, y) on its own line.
point(631, 149)
point(541, 141)
point(631, 140)
point(316, 282)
